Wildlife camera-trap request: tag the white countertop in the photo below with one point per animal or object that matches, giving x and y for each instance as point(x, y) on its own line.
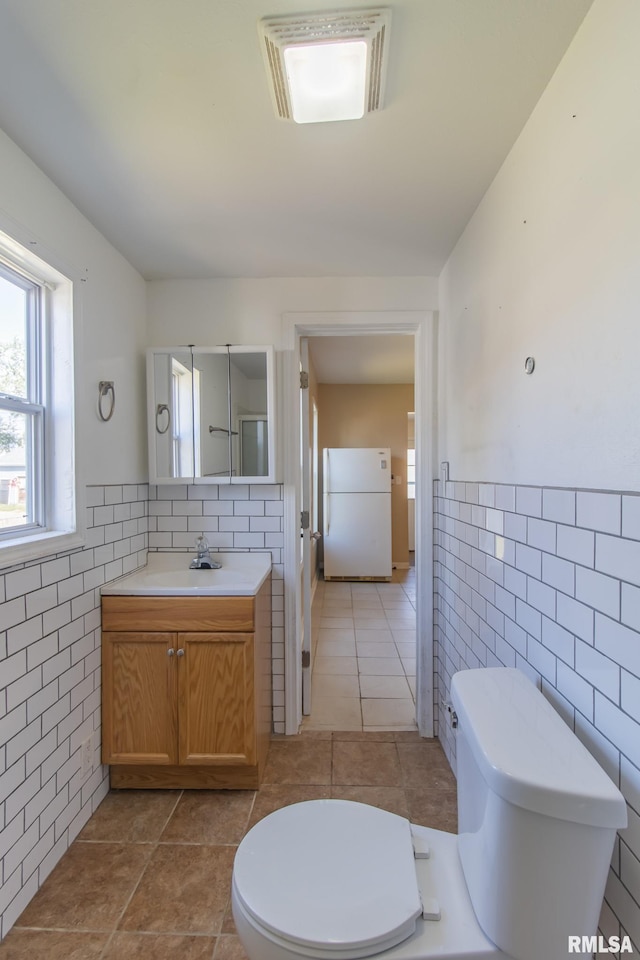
point(168, 574)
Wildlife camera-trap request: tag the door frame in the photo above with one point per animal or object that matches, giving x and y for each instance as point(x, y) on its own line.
point(422, 324)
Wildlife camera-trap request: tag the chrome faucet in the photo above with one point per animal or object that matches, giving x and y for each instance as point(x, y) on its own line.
point(204, 560)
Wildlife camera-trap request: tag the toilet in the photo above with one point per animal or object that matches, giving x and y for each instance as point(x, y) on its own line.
point(339, 880)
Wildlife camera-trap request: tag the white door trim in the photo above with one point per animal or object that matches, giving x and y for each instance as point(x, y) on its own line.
point(422, 324)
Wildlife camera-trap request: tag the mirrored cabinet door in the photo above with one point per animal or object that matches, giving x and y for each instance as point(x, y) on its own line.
point(211, 414)
point(170, 392)
point(250, 378)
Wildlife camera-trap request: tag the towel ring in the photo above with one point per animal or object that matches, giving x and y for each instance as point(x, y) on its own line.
point(160, 409)
point(106, 388)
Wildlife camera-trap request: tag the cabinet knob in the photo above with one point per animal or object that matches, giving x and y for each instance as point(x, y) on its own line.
point(181, 652)
point(170, 652)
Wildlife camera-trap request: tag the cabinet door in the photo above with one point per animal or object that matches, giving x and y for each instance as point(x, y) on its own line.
point(216, 698)
point(139, 713)
point(172, 381)
point(252, 414)
point(211, 413)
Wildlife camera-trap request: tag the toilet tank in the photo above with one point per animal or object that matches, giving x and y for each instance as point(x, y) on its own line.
point(537, 816)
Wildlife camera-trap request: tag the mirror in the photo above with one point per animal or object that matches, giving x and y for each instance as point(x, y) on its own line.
point(211, 406)
point(249, 415)
point(210, 414)
point(171, 427)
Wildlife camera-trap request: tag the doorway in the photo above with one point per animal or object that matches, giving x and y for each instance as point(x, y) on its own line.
point(363, 629)
point(297, 327)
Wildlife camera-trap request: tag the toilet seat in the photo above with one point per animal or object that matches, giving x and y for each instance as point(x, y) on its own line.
point(286, 877)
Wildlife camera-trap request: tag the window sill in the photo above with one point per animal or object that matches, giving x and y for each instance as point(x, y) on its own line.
point(23, 549)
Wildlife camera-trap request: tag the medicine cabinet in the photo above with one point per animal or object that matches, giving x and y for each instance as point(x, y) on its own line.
point(211, 414)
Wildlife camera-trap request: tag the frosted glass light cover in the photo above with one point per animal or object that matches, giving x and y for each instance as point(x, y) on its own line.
point(327, 81)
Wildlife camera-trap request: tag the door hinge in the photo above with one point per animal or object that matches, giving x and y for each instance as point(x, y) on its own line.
point(304, 380)
point(306, 659)
point(304, 519)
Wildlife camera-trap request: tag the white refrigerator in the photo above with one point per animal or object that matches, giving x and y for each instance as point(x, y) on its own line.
point(357, 513)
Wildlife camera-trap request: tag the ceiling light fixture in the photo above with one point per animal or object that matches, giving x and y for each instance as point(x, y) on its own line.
point(326, 66)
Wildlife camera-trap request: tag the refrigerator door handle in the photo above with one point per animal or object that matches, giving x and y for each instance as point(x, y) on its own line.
point(325, 497)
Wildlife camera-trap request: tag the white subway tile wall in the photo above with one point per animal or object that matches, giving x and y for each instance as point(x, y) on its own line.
point(50, 691)
point(547, 580)
point(243, 517)
point(50, 657)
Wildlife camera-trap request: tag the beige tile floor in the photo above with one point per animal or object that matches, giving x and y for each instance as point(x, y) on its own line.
point(149, 876)
point(364, 655)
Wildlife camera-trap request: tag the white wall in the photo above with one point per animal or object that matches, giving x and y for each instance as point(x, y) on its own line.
point(247, 311)
point(537, 533)
point(548, 266)
point(50, 691)
point(112, 327)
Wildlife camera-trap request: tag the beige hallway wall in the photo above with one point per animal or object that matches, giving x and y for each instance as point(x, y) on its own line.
point(371, 415)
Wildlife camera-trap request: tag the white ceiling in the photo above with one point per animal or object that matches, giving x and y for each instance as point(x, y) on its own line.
point(383, 358)
point(154, 117)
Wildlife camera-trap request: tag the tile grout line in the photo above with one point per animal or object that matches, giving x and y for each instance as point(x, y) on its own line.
point(139, 880)
point(227, 910)
point(347, 603)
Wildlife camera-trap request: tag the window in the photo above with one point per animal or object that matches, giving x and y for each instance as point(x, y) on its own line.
point(411, 474)
point(180, 399)
point(38, 496)
point(185, 430)
point(411, 457)
point(315, 469)
point(21, 405)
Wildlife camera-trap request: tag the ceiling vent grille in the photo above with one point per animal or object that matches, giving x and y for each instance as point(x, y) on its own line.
point(276, 70)
point(370, 25)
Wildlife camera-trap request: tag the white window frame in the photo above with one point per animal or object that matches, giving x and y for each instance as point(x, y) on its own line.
point(315, 468)
point(59, 519)
point(185, 399)
point(411, 470)
point(411, 456)
point(30, 404)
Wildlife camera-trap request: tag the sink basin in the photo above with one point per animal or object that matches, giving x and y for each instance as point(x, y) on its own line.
point(168, 574)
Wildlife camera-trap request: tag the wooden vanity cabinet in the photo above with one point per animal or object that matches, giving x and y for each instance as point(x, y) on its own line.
point(186, 690)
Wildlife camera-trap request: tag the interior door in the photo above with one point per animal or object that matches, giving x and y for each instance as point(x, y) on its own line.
point(305, 531)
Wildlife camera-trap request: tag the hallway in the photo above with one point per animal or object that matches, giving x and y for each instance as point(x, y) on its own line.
point(364, 655)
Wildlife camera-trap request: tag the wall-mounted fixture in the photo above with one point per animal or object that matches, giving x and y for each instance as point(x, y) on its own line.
point(326, 66)
point(211, 414)
point(163, 415)
point(106, 389)
point(222, 431)
point(529, 365)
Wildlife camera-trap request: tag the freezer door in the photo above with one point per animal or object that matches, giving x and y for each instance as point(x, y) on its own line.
point(357, 535)
point(357, 470)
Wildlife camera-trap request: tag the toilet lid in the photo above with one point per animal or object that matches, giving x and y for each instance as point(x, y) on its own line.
point(332, 875)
